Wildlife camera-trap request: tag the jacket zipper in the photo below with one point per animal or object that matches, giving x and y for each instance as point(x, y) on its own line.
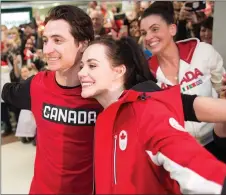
point(115, 176)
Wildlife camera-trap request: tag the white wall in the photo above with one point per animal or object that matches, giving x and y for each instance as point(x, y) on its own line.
point(219, 28)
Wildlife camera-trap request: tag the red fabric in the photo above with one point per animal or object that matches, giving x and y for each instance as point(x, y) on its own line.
point(118, 24)
point(2, 46)
point(153, 64)
point(64, 156)
point(186, 51)
point(147, 127)
point(27, 56)
point(3, 63)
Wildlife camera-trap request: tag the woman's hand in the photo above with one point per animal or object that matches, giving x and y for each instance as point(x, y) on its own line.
point(185, 12)
point(223, 88)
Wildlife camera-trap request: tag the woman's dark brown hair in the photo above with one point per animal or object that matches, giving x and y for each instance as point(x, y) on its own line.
point(126, 51)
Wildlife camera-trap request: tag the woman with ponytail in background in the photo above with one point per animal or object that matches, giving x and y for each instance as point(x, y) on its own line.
point(196, 66)
point(141, 146)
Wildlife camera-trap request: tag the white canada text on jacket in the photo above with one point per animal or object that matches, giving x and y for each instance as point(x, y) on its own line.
point(69, 116)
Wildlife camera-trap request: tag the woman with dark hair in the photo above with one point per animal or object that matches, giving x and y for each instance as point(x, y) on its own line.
point(134, 29)
point(206, 30)
point(140, 141)
point(195, 65)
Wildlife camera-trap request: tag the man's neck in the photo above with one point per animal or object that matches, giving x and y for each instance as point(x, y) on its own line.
point(69, 77)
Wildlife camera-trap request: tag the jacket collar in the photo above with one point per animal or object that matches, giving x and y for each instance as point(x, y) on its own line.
point(186, 50)
point(130, 96)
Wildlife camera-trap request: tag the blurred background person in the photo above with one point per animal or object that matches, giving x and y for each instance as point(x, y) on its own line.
point(26, 128)
point(92, 5)
point(177, 7)
point(12, 56)
point(29, 32)
point(98, 23)
point(134, 29)
point(206, 30)
point(209, 11)
point(189, 22)
point(6, 127)
point(108, 16)
point(29, 51)
point(143, 6)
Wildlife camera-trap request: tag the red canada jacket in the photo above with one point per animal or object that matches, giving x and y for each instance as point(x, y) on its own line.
point(141, 147)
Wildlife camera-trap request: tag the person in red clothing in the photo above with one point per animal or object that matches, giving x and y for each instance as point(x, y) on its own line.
point(141, 146)
point(196, 66)
point(65, 121)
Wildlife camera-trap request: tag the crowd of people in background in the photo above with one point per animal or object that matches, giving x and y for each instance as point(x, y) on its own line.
point(190, 23)
point(21, 47)
point(21, 57)
point(117, 57)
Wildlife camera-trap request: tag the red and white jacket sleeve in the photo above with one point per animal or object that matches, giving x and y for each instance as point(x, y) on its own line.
point(187, 162)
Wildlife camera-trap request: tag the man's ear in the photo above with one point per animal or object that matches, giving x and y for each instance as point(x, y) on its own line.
point(83, 45)
point(120, 71)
